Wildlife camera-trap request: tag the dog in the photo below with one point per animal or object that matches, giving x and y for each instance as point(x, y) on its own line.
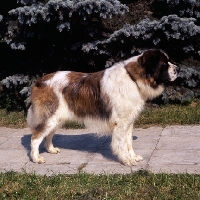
point(109, 100)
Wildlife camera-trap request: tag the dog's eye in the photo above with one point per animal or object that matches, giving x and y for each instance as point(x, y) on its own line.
point(165, 64)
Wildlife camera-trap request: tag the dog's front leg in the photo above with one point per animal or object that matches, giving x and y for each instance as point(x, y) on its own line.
point(122, 143)
point(132, 154)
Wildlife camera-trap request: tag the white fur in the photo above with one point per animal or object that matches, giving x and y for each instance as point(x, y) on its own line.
point(132, 59)
point(147, 92)
point(59, 80)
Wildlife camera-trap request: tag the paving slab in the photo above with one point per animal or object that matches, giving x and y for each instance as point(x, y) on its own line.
point(12, 160)
point(173, 149)
point(175, 161)
point(104, 162)
point(66, 162)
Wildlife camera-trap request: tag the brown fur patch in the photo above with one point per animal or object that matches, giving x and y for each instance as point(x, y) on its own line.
point(44, 104)
point(135, 71)
point(84, 96)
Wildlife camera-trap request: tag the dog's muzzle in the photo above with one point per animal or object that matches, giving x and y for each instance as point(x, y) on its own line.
point(173, 71)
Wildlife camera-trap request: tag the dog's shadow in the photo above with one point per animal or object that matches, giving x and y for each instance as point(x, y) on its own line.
point(90, 143)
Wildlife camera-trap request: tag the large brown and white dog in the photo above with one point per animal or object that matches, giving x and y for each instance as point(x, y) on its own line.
point(109, 100)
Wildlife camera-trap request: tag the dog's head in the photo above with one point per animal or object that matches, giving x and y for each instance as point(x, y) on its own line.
point(156, 64)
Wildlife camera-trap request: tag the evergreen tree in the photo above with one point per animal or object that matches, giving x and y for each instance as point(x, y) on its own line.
point(42, 36)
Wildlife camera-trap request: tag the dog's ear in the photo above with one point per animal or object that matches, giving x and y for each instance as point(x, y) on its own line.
point(150, 59)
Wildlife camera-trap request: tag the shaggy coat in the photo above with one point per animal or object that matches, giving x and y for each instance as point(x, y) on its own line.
point(108, 101)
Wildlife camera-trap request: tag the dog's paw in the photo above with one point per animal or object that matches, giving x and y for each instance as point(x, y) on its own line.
point(129, 162)
point(54, 150)
point(36, 158)
point(138, 158)
point(133, 161)
point(39, 159)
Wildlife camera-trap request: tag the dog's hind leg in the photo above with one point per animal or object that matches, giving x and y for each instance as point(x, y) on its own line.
point(39, 133)
point(35, 143)
point(49, 145)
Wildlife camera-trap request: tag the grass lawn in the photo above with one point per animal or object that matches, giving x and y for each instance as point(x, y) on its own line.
point(170, 115)
point(137, 185)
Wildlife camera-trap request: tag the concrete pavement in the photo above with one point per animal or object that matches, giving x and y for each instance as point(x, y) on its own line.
point(173, 149)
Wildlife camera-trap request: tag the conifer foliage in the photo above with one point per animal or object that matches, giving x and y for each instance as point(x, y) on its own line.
point(171, 33)
point(183, 8)
point(61, 14)
point(42, 36)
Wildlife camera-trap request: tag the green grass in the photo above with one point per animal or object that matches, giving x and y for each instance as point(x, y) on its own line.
point(138, 185)
point(12, 119)
point(73, 125)
point(170, 115)
point(151, 116)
